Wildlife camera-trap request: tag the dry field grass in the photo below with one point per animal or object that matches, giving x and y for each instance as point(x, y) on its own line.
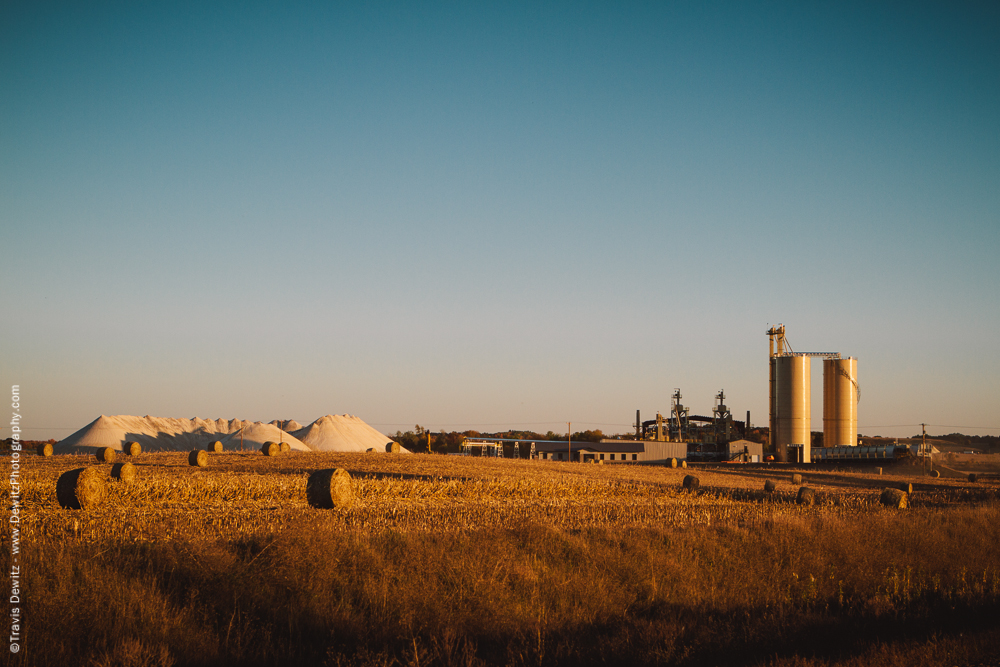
point(452, 560)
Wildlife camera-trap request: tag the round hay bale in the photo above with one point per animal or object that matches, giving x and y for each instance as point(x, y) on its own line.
point(82, 488)
point(684, 464)
point(392, 447)
point(270, 449)
point(770, 485)
point(45, 449)
point(198, 458)
point(878, 471)
point(973, 477)
point(935, 473)
point(330, 489)
point(215, 446)
point(905, 487)
point(123, 472)
point(806, 496)
point(132, 448)
point(369, 450)
point(105, 455)
point(894, 498)
point(691, 483)
point(796, 478)
point(285, 447)
point(673, 463)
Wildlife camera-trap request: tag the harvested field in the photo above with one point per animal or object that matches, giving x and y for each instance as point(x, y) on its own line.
point(454, 560)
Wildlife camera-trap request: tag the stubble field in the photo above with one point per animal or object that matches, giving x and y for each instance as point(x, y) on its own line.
point(471, 561)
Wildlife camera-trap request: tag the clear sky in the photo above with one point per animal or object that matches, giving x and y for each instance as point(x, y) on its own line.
point(479, 215)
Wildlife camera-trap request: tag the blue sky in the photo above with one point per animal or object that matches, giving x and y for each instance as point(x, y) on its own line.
point(485, 216)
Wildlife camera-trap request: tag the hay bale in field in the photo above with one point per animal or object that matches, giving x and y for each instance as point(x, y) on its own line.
point(82, 488)
point(45, 449)
point(684, 464)
point(285, 447)
point(270, 449)
point(973, 477)
point(905, 487)
point(105, 455)
point(691, 483)
point(123, 472)
point(369, 450)
point(330, 489)
point(392, 447)
point(215, 447)
point(769, 485)
point(806, 496)
point(132, 448)
point(935, 473)
point(198, 458)
point(796, 478)
point(878, 471)
point(894, 498)
point(673, 463)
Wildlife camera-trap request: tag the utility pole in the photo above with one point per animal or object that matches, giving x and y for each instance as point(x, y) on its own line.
point(923, 446)
point(569, 440)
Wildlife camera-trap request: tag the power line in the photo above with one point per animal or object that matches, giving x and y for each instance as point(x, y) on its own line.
point(47, 428)
point(452, 424)
point(515, 424)
point(77, 428)
point(984, 428)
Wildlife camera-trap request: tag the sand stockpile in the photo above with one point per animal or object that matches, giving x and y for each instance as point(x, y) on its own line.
point(333, 433)
point(342, 433)
point(154, 434)
point(256, 434)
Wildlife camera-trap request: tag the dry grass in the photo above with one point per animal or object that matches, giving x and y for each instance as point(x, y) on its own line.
point(451, 560)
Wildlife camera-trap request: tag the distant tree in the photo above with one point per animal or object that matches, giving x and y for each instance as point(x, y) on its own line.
point(410, 440)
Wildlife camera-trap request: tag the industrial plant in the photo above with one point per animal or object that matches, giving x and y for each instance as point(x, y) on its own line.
point(682, 436)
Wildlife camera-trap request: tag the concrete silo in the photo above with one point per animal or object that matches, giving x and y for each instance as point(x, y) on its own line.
point(840, 402)
point(791, 405)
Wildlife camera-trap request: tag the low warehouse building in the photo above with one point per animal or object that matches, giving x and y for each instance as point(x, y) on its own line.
point(607, 451)
point(746, 451)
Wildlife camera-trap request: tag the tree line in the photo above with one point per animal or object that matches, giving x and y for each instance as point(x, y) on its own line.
point(420, 439)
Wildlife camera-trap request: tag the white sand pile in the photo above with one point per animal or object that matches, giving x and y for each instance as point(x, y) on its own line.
point(342, 433)
point(154, 434)
point(256, 434)
point(286, 425)
point(333, 433)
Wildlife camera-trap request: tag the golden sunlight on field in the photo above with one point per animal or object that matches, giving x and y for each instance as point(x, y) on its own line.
point(462, 560)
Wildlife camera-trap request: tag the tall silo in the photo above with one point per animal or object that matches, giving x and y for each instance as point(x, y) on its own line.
point(840, 402)
point(791, 405)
